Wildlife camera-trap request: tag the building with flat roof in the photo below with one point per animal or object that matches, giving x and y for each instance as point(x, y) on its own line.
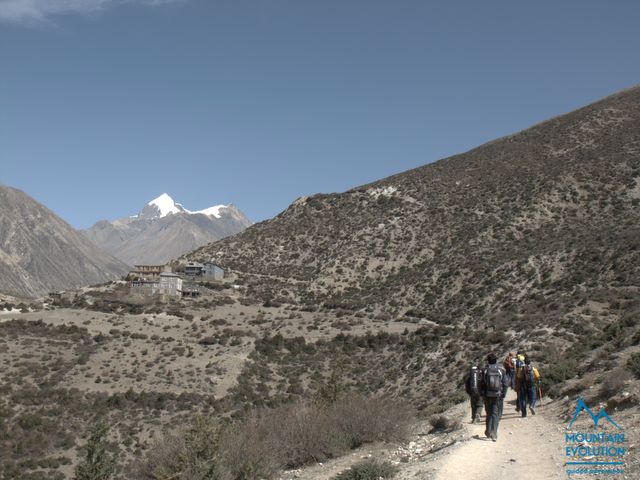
point(170, 284)
point(149, 270)
point(207, 270)
point(193, 269)
point(213, 271)
point(146, 288)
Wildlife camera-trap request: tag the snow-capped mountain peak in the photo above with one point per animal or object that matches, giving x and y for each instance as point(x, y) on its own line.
point(166, 205)
point(164, 229)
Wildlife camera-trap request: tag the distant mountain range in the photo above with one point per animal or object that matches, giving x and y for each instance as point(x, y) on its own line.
point(40, 252)
point(164, 230)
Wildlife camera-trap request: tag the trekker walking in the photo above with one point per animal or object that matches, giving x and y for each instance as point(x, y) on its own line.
point(473, 386)
point(519, 361)
point(510, 367)
point(526, 382)
point(495, 385)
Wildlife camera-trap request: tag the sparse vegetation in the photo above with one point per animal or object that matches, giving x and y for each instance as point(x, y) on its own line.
point(369, 470)
point(391, 289)
point(191, 454)
point(268, 440)
point(633, 364)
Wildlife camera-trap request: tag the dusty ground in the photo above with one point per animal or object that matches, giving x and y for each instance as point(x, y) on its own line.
point(529, 448)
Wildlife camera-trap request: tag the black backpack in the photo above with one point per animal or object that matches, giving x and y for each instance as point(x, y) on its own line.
point(475, 381)
point(493, 381)
point(528, 375)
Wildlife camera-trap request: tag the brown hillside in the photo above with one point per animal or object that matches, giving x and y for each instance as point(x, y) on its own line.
point(539, 214)
point(529, 241)
point(40, 252)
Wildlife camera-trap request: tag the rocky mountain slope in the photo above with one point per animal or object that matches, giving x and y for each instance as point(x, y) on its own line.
point(548, 213)
point(164, 230)
point(40, 252)
point(531, 241)
point(392, 288)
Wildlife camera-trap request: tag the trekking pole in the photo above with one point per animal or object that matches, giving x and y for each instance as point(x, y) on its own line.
point(541, 401)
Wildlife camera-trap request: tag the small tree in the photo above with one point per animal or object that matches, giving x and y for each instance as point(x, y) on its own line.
point(98, 463)
point(332, 390)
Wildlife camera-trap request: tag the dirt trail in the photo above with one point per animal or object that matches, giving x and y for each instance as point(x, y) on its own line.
point(527, 448)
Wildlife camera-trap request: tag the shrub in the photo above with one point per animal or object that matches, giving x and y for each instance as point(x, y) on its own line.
point(271, 439)
point(296, 434)
point(369, 470)
point(557, 373)
point(364, 420)
point(613, 383)
point(444, 423)
point(633, 364)
point(98, 463)
point(188, 455)
point(246, 453)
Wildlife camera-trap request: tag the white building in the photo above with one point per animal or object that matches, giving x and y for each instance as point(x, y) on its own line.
point(170, 284)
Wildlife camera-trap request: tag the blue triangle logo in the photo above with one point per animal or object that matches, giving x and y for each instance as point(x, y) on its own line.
point(582, 407)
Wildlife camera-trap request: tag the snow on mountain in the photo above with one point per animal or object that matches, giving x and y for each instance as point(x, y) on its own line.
point(164, 230)
point(165, 205)
point(211, 211)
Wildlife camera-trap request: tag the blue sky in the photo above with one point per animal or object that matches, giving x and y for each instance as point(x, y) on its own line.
point(105, 104)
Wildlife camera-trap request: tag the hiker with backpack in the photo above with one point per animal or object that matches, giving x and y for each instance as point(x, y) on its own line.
point(526, 383)
point(519, 363)
point(495, 385)
point(473, 386)
point(510, 367)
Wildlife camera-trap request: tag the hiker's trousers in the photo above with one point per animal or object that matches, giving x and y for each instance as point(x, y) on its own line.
point(526, 398)
point(476, 405)
point(493, 410)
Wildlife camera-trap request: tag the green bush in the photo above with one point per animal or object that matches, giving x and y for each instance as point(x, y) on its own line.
point(98, 464)
point(369, 470)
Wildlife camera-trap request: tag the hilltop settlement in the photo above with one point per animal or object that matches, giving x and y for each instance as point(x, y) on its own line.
point(160, 281)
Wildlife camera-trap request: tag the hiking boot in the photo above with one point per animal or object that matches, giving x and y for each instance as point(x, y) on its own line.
point(494, 438)
point(517, 408)
point(533, 412)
